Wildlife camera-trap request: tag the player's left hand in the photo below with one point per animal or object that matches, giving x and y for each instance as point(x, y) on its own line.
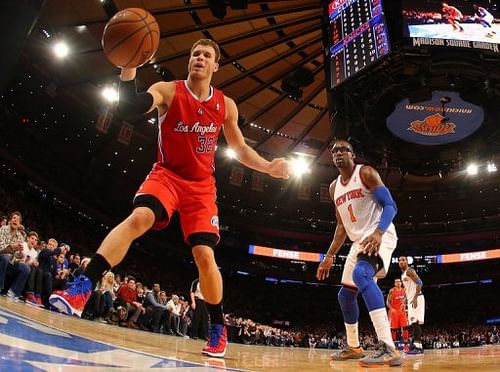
point(279, 168)
point(371, 244)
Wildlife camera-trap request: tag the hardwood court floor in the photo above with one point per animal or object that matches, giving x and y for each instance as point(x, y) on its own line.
point(40, 340)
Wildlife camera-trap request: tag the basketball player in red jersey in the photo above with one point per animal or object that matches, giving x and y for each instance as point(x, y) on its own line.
point(192, 113)
point(396, 299)
point(454, 16)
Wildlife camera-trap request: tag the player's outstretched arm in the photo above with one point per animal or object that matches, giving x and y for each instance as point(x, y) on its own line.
point(277, 168)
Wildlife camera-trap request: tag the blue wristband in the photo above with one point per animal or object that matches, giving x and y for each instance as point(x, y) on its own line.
point(389, 209)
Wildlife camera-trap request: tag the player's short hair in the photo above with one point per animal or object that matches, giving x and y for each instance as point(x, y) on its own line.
point(340, 140)
point(208, 42)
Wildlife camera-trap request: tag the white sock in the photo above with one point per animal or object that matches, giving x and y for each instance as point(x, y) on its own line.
point(382, 327)
point(352, 334)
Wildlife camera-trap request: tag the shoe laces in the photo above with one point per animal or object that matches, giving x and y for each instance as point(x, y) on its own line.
point(79, 285)
point(346, 350)
point(380, 350)
point(214, 333)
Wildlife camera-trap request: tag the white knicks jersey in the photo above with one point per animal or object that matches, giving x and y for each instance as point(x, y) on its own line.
point(358, 209)
point(410, 286)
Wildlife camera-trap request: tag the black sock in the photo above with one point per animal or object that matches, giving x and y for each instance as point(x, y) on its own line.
point(215, 311)
point(417, 333)
point(98, 266)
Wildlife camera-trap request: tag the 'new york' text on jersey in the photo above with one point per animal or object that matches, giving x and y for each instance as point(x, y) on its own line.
point(359, 211)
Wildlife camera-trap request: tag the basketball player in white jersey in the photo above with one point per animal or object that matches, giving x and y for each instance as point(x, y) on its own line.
point(415, 302)
point(365, 210)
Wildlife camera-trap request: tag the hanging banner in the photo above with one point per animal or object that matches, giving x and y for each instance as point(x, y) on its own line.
point(324, 193)
point(104, 121)
point(236, 176)
point(126, 132)
point(304, 190)
point(257, 182)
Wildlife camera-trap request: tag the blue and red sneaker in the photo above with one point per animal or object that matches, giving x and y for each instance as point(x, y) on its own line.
point(72, 300)
point(217, 341)
point(413, 350)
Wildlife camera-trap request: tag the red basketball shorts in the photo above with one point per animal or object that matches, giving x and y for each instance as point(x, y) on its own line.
point(398, 319)
point(195, 200)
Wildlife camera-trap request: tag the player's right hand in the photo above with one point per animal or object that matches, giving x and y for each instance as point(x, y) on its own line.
point(128, 73)
point(279, 168)
point(323, 271)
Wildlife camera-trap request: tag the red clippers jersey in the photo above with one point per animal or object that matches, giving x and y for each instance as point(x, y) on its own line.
point(189, 131)
point(452, 12)
point(397, 298)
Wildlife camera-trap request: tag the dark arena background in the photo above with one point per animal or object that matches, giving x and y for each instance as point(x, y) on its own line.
point(416, 95)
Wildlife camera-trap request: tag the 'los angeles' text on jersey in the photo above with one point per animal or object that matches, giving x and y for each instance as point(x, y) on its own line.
point(189, 133)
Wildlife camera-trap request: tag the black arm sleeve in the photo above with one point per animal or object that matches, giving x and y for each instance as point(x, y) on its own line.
point(131, 102)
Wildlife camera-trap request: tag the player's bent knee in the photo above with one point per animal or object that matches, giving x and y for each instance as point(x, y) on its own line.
point(151, 202)
point(204, 257)
point(205, 263)
point(362, 275)
point(346, 295)
point(141, 219)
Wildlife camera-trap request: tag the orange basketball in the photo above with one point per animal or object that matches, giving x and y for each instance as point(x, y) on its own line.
point(131, 38)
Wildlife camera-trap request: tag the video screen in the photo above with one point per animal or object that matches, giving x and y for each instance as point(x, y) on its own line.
point(463, 20)
point(358, 37)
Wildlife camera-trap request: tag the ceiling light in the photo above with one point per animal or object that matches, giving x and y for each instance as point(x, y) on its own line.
point(472, 169)
point(110, 94)
point(300, 166)
point(231, 154)
point(61, 49)
point(491, 167)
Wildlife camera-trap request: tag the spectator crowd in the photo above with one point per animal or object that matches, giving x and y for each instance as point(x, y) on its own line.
point(32, 267)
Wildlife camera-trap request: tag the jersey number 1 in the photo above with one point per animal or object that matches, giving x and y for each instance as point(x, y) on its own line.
point(351, 213)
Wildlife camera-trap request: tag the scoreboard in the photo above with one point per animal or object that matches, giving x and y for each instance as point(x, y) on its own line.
point(358, 37)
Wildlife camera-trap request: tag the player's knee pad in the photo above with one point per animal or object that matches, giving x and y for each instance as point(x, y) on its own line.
point(347, 295)
point(363, 274)
point(151, 202)
point(208, 239)
point(348, 300)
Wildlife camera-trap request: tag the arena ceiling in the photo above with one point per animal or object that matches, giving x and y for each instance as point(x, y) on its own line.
point(264, 48)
